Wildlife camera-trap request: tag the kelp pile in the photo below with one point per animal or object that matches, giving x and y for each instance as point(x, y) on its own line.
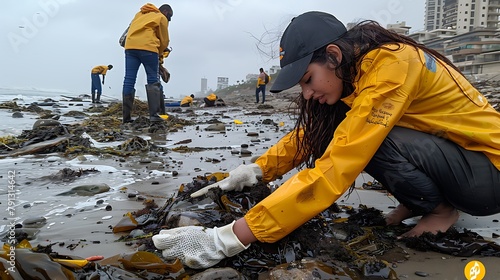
point(342, 242)
point(48, 135)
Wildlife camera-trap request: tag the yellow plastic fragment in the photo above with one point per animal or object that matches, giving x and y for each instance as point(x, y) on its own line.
point(72, 263)
point(218, 175)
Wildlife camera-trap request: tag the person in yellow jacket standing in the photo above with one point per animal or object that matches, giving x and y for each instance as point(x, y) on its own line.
point(262, 81)
point(371, 100)
point(96, 81)
point(147, 38)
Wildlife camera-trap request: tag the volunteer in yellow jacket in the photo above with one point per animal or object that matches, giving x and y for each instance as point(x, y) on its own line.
point(147, 39)
point(371, 100)
point(187, 101)
point(96, 81)
point(210, 100)
point(262, 81)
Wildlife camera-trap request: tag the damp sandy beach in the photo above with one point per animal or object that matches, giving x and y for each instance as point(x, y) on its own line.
point(81, 224)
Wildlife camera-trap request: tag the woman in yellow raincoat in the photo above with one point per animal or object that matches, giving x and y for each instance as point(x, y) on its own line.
point(371, 100)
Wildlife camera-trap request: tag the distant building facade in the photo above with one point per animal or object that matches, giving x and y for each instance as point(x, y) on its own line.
point(433, 14)
point(222, 82)
point(204, 85)
point(274, 69)
point(475, 53)
point(461, 15)
point(251, 77)
point(466, 32)
point(399, 28)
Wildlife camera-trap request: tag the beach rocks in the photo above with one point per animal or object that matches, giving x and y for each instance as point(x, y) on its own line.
point(45, 122)
point(31, 222)
point(219, 273)
point(17, 115)
point(76, 114)
point(314, 269)
point(87, 190)
point(216, 127)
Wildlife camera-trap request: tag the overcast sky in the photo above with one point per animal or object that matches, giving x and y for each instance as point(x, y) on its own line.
point(53, 44)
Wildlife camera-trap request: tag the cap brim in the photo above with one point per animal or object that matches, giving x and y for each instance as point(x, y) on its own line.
point(291, 74)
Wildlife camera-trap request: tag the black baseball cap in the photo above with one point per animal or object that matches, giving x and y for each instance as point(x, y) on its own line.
point(305, 34)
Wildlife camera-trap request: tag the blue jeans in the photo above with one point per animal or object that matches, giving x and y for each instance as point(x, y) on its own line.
point(259, 89)
point(133, 60)
point(96, 84)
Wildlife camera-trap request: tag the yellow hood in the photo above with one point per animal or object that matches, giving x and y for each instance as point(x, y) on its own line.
point(147, 8)
point(148, 31)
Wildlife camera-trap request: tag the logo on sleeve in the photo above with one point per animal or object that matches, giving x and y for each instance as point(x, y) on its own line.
point(430, 62)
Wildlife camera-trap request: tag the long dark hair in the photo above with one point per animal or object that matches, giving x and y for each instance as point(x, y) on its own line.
point(319, 121)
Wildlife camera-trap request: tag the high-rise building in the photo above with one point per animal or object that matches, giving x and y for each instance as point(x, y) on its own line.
point(462, 15)
point(204, 85)
point(449, 10)
point(222, 82)
point(433, 13)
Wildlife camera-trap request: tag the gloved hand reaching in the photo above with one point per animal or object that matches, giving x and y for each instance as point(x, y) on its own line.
point(242, 176)
point(199, 247)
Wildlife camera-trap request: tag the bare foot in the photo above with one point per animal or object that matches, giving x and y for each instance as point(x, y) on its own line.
point(439, 220)
point(399, 214)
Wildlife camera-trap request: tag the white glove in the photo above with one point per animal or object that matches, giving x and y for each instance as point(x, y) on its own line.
point(242, 176)
point(199, 247)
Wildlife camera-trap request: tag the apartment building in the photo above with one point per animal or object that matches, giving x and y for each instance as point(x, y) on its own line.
point(433, 13)
point(467, 32)
point(461, 15)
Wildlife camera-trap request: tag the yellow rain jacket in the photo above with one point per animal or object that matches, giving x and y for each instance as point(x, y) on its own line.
point(148, 31)
point(212, 97)
point(407, 88)
point(101, 69)
point(261, 80)
point(187, 99)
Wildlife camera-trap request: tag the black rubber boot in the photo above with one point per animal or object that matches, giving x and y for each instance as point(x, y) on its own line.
point(98, 99)
point(128, 103)
point(154, 94)
point(162, 103)
point(93, 97)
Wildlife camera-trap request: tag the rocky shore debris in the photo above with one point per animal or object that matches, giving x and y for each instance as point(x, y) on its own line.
point(69, 175)
point(341, 242)
point(51, 136)
point(87, 190)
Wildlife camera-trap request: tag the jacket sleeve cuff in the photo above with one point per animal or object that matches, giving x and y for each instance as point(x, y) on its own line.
point(227, 241)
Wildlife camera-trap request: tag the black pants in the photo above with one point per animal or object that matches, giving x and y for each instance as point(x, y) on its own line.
point(422, 170)
point(209, 103)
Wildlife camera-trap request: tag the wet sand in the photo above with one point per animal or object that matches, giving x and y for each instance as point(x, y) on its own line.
point(78, 221)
